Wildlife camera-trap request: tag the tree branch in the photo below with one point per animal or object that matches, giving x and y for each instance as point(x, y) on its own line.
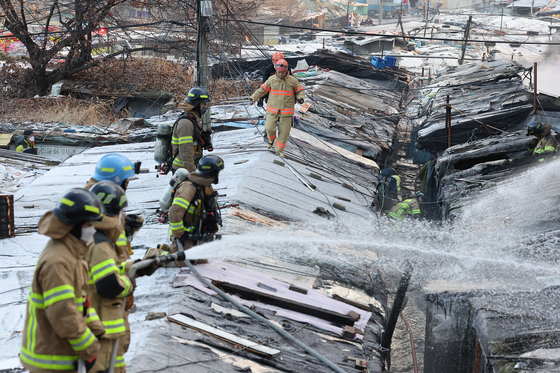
point(51, 12)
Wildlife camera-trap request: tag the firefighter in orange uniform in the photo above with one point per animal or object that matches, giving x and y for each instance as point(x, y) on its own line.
point(283, 92)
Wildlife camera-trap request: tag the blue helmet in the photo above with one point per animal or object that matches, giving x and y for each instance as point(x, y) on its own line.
point(114, 167)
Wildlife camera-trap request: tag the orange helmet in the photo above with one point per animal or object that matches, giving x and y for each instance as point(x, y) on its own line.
point(277, 56)
point(281, 65)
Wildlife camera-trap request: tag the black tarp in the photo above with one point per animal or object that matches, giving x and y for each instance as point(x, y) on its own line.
point(345, 64)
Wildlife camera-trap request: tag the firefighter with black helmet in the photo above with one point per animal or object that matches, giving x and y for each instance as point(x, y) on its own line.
point(188, 138)
point(109, 284)
point(60, 326)
point(194, 217)
point(544, 145)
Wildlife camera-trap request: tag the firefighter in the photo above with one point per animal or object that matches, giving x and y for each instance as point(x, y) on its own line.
point(57, 328)
point(284, 90)
point(269, 71)
point(188, 138)
point(108, 283)
point(544, 145)
point(118, 169)
point(408, 208)
point(387, 189)
point(194, 216)
point(27, 145)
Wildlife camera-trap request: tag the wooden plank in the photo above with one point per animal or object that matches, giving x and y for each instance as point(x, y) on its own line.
point(351, 302)
point(334, 317)
point(28, 157)
point(224, 336)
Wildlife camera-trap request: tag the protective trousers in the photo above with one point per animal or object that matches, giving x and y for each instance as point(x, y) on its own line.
point(284, 127)
point(102, 362)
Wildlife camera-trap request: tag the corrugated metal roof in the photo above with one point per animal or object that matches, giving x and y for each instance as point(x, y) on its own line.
point(5, 140)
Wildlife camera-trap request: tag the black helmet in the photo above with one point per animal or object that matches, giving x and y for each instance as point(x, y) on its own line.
point(79, 205)
point(419, 194)
point(111, 195)
point(197, 95)
point(210, 166)
point(534, 128)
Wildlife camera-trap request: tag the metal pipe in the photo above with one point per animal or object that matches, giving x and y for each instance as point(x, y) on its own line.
point(535, 88)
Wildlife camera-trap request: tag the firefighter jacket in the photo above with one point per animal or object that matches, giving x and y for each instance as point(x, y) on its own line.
point(185, 140)
point(269, 71)
point(408, 207)
point(184, 213)
point(282, 94)
point(25, 146)
point(547, 146)
point(56, 331)
point(108, 284)
point(122, 241)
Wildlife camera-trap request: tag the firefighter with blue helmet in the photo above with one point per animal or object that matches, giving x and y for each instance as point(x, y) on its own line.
point(119, 169)
point(113, 167)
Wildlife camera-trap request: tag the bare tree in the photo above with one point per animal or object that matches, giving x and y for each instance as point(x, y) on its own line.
point(76, 22)
point(64, 31)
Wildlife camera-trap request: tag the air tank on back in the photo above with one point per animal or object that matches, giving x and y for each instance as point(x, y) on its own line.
point(167, 198)
point(163, 142)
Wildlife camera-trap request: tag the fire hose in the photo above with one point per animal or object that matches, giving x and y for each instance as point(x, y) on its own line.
point(180, 256)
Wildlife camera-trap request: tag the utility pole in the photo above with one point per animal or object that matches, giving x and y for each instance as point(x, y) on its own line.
point(204, 10)
point(380, 11)
point(402, 28)
point(535, 88)
point(532, 5)
point(502, 18)
point(467, 32)
point(347, 13)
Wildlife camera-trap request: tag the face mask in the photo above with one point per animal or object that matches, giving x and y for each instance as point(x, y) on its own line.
point(32, 139)
point(203, 110)
point(87, 234)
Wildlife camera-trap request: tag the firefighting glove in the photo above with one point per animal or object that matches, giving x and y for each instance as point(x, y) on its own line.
point(300, 100)
point(147, 271)
point(260, 103)
point(132, 224)
point(89, 364)
point(532, 143)
point(129, 302)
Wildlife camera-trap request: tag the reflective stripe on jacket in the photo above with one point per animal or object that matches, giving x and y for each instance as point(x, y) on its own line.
point(25, 146)
point(185, 212)
point(282, 94)
point(55, 331)
point(546, 147)
point(408, 207)
point(102, 258)
point(184, 144)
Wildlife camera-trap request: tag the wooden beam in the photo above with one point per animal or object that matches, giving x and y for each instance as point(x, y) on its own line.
point(332, 316)
point(224, 336)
